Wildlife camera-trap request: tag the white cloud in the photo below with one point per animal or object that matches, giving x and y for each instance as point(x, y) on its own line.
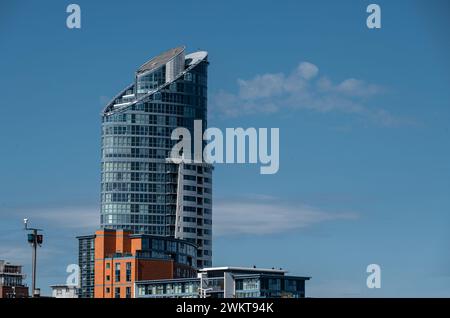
point(262, 215)
point(256, 214)
point(355, 87)
point(267, 85)
point(307, 70)
point(65, 217)
point(72, 216)
point(302, 88)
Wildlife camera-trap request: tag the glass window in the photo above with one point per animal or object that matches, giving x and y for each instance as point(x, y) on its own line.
point(274, 284)
point(250, 284)
point(117, 272)
point(128, 272)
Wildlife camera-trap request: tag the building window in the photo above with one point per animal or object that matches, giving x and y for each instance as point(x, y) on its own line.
point(108, 278)
point(250, 284)
point(290, 285)
point(117, 272)
point(189, 198)
point(128, 292)
point(107, 290)
point(274, 284)
point(128, 272)
point(108, 265)
point(117, 292)
point(159, 289)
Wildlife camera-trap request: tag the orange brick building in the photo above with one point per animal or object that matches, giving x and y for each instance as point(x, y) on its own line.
point(122, 258)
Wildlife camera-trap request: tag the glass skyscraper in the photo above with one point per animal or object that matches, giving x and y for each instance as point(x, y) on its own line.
point(142, 188)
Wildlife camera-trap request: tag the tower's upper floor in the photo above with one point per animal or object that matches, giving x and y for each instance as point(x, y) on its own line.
point(154, 75)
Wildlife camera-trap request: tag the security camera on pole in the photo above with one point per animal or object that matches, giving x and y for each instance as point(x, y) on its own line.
point(34, 239)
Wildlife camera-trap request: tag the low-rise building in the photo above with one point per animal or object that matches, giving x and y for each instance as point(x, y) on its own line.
point(122, 258)
point(64, 291)
point(11, 281)
point(227, 282)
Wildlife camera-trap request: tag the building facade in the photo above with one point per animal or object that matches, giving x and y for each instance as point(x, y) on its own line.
point(64, 291)
point(122, 258)
point(139, 188)
point(86, 257)
point(11, 281)
point(193, 199)
point(226, 282)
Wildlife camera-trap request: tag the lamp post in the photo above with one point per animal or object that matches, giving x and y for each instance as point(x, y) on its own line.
point(34, 239)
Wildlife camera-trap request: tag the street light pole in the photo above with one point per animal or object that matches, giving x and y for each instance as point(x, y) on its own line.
point(34, 239)
point(34, 246)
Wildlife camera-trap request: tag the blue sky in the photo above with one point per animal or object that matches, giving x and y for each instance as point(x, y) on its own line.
point(364, 139)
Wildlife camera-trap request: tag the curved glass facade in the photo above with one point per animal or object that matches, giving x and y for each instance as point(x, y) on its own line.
point(150, 81)
point(137, 186)
point(140, 185)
